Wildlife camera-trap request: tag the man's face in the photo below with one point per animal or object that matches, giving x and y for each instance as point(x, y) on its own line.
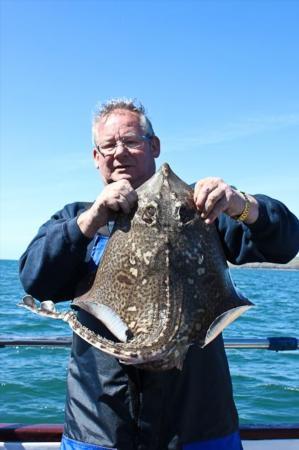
point(136, 164)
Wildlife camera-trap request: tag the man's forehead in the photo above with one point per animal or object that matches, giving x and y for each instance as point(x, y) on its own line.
point(120, 118)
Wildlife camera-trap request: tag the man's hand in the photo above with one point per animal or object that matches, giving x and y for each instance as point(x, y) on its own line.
point(212, 196)
point(117, 196)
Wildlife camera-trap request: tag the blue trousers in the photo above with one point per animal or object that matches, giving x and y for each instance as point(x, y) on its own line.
point(230, 442)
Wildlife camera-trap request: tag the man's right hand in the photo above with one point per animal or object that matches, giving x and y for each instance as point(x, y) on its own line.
point(117, 196)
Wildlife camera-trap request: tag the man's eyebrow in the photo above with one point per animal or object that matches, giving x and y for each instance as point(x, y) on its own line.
point(108, 139)
point(130, 133)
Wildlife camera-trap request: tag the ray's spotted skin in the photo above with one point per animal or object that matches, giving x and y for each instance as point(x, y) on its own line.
point(163, 283)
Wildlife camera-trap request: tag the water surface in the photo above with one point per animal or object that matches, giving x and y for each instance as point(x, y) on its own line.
point(266, 384)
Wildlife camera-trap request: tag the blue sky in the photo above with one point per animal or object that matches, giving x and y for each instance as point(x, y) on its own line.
point(219, 80)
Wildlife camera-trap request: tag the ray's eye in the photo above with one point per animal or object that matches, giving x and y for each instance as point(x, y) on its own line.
point(186, 214)
point(149, 214)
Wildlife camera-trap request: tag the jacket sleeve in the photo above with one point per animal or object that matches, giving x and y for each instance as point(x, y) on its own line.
point(54, 261)
point(274, 237)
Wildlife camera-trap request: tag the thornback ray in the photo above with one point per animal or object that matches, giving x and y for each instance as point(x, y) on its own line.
point(163, 283)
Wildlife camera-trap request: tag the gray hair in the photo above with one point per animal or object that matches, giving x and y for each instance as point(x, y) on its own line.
point(128, 104)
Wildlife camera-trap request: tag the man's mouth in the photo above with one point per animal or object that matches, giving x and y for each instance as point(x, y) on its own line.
point(121, 168)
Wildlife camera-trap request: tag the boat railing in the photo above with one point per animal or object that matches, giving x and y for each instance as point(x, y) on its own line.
point(277, 344)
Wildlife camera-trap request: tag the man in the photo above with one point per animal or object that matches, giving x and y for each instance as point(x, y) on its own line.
point(110, 405)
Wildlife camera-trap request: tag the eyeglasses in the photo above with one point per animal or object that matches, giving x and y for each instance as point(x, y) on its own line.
point(129, 142)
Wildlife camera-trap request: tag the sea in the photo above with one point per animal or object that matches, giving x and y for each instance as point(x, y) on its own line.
point(265, 383)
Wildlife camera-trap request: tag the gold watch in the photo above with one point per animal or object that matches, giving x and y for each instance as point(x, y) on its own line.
point(245, 213)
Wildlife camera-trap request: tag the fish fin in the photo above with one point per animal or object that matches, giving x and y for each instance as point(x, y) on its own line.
point(223, 321)
point(109, 318)
point(126, 353)
point(46, 309)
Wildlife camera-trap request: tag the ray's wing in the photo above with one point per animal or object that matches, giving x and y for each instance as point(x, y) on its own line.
point(132, 294)
point(211, 301)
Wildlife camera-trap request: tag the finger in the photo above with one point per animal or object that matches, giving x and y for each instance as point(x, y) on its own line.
point(219, 207)
point(124, 205)
point(114, 205)
point(132, 198)
point(211, 200)
point(201, 194)
point(123, 186)
point(129, 194)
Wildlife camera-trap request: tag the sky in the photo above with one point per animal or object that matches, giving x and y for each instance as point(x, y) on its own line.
point(219, 80)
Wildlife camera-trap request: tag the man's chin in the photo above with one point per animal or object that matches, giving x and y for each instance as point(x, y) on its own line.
point(121, 175)
point(127, 173)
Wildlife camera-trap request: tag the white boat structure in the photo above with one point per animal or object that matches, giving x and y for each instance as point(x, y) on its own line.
point(18, 436)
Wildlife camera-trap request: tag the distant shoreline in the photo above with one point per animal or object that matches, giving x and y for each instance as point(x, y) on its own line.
point(292, 265)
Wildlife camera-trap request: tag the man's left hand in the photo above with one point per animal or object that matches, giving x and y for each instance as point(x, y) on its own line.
point(212, 196)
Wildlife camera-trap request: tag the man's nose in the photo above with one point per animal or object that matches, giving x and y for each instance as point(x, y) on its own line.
point(119, 148)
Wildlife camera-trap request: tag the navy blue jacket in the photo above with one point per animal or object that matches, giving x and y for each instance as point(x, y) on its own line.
point(123, 407)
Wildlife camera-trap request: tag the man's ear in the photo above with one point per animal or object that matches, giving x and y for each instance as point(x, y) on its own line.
point(155, 146)
point(96, 156)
